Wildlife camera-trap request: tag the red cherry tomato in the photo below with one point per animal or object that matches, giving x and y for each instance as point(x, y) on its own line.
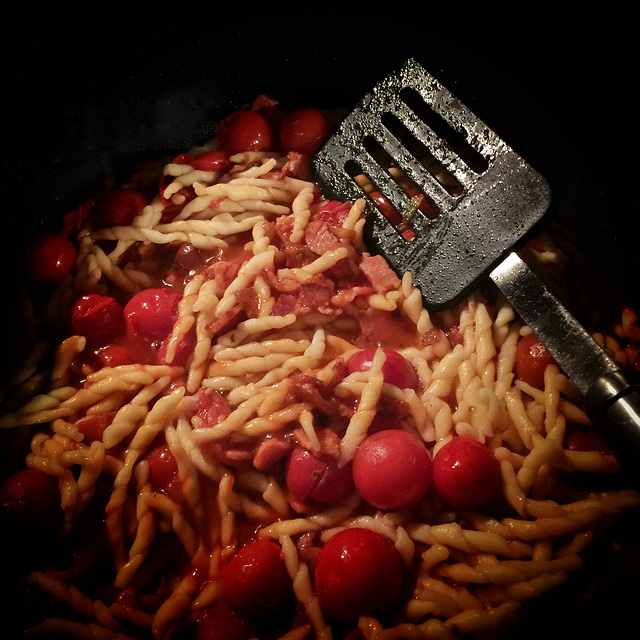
point(392, 469)
point(304, 131)
point(182, 352)
point(220, 622)
point(396, 370)
point(359, 572)
point(92, 427)
point(217, 160)
point(30, 497)
point(582, 439)
point(119, 207)
point(317, 478)
point(50, 258)
point(153, 312)
point(256, 580)
point(244, 130)
point(532, 360)
point(466, 473)
point(99, 318)
point(163, 468)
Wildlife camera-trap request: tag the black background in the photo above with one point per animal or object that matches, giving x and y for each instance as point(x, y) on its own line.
point(86, 91)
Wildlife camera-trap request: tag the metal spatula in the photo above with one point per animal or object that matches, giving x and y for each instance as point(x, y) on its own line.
point(483, 199)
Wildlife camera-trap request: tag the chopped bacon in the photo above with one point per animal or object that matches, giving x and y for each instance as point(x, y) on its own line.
point(455, 336)
point(229, 451)
point(285, 304)
point(329, 441)
point(297, 165)
point(432, 336)
point(227, 321)
point(334, 212)
point(319, 238)
point(272, 449)
point(212, 407)
point(344, 297)
point(380, 274)
point(249, 300)
point(306, 388)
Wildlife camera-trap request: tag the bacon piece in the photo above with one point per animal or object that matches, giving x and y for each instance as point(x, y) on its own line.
point(285, 304)
point(212, 407)
point(306, 388)
point(379, 273)
point(344, 297)
point(319, 238)
point(271, 450)
point(227, 321)
point(334, 212)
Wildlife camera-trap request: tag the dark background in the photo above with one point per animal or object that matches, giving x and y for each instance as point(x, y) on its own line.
point(86, 93)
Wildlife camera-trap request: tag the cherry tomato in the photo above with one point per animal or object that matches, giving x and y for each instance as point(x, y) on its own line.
point(532, 360)
point(244, 130)
point(466, 473)
point(220, 622)
point(50, 258)
point(92, 427)
point(163, 468)
point(182, 352)
point(396, 370)
point(153, 312)
point(99, 318)
point(256, 580)
point(304, 131)
point(30, 497)
point(358, 572)
point(120, 207)
point(318, 478)
point(392, 469)
point(582, 439)
point(217, 160)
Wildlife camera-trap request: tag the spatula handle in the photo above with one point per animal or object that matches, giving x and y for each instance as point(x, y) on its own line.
point(612, 394)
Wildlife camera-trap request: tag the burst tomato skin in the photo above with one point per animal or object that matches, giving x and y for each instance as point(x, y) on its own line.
point(318, 478)
point(256, 580)
point(392, 469)
point(99, 318)
point(532, 360)
point(50, 258)
point(466, 473)
point(358, 572)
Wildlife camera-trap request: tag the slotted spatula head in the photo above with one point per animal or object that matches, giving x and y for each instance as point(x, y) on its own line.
point(481, 197)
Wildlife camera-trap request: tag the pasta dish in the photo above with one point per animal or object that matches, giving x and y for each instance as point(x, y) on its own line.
point(251, 427)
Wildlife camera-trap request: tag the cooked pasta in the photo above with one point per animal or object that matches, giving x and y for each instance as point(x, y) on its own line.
point(192, 432)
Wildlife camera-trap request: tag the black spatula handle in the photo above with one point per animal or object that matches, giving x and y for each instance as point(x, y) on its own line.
point(612, 394)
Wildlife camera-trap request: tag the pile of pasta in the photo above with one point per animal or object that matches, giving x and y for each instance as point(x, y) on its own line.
point(262, 231)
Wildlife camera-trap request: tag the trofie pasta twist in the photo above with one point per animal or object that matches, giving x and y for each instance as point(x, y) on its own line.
point(247, 353)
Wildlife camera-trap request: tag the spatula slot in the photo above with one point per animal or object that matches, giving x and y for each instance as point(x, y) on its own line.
point(455, 138)
point(409, 187)
point(422, 154)
point(384, 193)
